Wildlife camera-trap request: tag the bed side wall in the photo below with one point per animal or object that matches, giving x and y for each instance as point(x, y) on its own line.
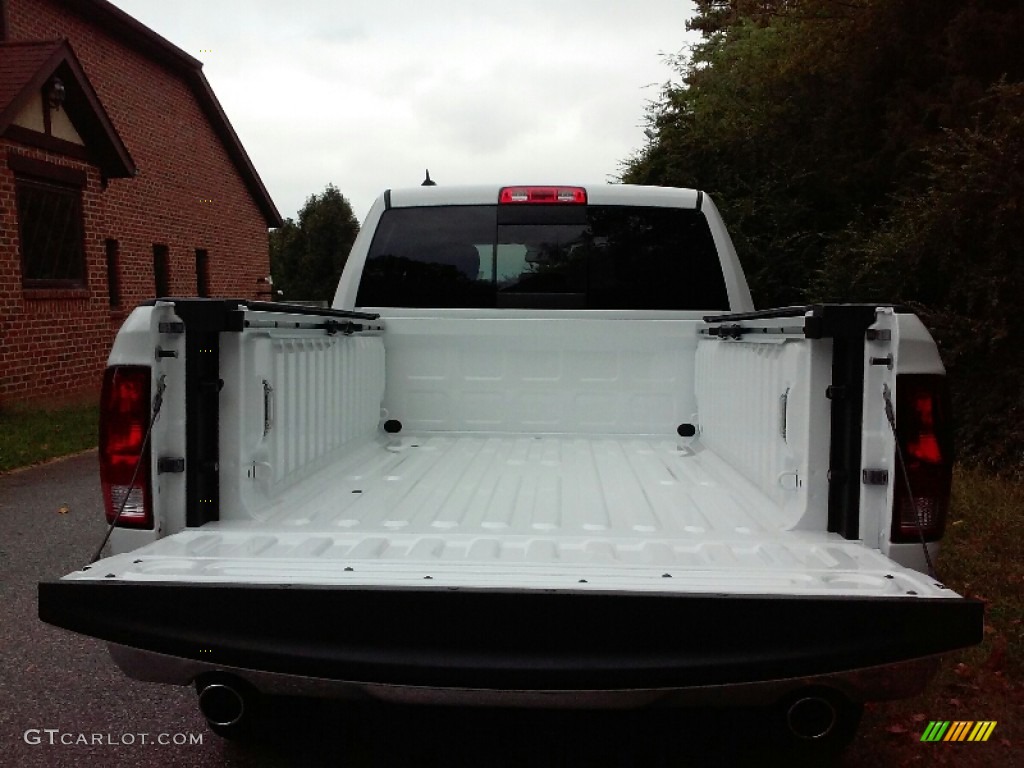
point(762, 408)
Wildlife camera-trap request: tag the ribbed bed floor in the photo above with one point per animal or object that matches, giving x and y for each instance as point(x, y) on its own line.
point(522, 512)
point(526, 485)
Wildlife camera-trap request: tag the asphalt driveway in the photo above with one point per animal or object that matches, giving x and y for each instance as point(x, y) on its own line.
point(57, 686)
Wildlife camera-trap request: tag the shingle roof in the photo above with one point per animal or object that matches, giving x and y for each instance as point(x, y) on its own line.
point(147, 42)
point(24, 69)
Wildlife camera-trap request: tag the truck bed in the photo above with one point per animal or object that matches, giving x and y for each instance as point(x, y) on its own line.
point(481, 500)
point(434, 562)
point(519, 512)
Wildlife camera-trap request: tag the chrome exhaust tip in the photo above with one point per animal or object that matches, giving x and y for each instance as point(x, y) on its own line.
point(811, 717)
point(222, 704)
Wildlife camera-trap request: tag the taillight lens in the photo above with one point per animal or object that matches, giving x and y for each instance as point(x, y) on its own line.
point(124, 419)
point(925, 435)
point(543, 195)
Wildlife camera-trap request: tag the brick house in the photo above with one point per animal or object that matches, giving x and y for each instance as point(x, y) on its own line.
point(121, 179)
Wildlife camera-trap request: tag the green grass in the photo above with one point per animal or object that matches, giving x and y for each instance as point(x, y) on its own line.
point(983, 558)
point(31, 435)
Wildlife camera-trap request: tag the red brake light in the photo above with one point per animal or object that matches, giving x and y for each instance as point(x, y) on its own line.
point(925, 436)
point(124, 418)
point(572, 195)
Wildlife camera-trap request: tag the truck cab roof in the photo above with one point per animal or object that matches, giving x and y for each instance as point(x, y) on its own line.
point(596, 194)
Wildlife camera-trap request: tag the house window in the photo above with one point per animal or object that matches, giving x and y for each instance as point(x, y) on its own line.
point(50, 232)
point(202, 272)
point(161, 271)
point(113, 273)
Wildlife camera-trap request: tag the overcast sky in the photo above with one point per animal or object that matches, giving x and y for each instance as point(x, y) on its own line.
point(368, 94)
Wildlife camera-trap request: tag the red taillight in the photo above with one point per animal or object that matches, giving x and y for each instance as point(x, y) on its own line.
point(574, 195)
point(925, 436)
point(124, 419)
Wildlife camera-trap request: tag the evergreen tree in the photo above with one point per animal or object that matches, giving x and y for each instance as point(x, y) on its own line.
point(307, 257)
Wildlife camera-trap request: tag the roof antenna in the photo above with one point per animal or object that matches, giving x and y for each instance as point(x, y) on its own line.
point(428, 182)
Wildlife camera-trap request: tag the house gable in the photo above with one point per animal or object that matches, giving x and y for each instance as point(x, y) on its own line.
point(76, 125)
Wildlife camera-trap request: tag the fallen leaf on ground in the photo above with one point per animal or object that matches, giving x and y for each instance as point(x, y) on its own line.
point(896, 728)
point(962, 670)
point(997, 659)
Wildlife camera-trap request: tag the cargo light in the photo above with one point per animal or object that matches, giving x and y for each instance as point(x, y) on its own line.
point(543, 195)
point(925, 436)
point(124, 452)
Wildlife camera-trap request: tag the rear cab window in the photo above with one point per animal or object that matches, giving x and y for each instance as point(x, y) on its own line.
point(543, 256)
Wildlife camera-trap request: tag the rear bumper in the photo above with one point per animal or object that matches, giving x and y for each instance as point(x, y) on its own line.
point(890, 681)
point(493, 640)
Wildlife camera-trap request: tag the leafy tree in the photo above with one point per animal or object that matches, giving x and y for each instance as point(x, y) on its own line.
point(307, 257)
point(865, 150)
point(953, 252)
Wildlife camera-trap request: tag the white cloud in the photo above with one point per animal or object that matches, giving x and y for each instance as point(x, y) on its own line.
point(368, 95)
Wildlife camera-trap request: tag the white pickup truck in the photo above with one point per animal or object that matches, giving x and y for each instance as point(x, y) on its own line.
point(541, 451)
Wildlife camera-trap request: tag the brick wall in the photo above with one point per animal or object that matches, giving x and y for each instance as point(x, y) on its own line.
point(52, 344)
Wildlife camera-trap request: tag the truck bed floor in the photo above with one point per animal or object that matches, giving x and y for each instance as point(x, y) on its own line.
point(618, 487)
point(524, 512)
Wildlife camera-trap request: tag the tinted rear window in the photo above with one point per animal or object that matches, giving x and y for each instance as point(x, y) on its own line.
point(562, 257)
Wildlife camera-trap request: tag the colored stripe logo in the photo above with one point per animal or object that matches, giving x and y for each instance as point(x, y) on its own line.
point(958, 730)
